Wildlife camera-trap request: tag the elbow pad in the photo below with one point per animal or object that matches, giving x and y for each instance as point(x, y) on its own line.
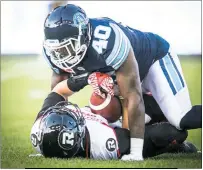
point(77, 83)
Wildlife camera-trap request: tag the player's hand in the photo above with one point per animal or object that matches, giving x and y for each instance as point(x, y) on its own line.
point(100, 83)
point(132, 157)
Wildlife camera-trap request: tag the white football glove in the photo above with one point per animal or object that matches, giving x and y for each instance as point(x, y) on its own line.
point(135, 151)
point(132, 157)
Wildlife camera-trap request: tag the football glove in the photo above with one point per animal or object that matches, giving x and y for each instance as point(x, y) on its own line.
point(101, 84)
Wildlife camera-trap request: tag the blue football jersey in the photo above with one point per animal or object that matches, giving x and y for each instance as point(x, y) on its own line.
point(110, 45)
point(147, 47)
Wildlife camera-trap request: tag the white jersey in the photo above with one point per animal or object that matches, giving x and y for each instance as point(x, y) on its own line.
point(103, 141)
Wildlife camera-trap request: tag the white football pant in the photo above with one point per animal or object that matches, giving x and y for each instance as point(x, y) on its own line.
point(166, 83)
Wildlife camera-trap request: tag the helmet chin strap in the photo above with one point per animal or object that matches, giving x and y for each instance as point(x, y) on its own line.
point(86, 143)
point(89, 32)
point(80, 29)
point(80, 33)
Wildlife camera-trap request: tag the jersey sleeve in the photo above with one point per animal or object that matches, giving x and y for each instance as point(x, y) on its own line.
point(51, 100)
point(120, 49)
point(52, 66)
point(123, 137)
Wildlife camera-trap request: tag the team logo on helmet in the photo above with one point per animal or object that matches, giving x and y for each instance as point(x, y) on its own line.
point(66, 139)
point(80, 19)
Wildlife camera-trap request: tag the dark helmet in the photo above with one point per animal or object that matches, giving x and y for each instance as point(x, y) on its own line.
point(67, 36)
point(60, 132)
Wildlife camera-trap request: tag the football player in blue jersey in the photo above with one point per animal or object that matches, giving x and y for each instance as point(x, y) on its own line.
point(76, 47)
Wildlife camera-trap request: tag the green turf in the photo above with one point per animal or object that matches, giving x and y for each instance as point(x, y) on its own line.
point(25, 83)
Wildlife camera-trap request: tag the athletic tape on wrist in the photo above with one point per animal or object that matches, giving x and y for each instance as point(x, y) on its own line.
point(136, 146)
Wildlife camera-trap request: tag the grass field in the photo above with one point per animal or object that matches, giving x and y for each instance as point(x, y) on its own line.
point(25, 82)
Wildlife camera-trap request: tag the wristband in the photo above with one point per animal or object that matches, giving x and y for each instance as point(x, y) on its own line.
point(136, 146)
point(77, 83)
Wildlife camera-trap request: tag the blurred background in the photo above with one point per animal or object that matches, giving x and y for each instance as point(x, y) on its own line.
point(178, 22)
point(25, 75)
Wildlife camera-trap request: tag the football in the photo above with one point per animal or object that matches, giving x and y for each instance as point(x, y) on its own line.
point(110, 107)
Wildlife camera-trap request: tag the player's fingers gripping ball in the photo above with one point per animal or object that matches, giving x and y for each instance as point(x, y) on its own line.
point(101, 84)
point(109, 107)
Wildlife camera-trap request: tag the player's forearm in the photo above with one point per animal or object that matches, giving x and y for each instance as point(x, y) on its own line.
point(128, 80)
point(63, 89)
point(67, 87)
point(136, 115)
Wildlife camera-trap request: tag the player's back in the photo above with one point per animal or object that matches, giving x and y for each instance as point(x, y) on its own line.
point(147, 47)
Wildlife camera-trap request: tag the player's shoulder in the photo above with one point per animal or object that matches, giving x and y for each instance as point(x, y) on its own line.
point(102, 40)
point(36, 134)
point(109, 41)
point(106, 26)
point(101, 20)
point(108, 22)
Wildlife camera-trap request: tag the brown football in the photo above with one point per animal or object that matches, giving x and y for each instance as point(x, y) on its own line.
point(110, 108)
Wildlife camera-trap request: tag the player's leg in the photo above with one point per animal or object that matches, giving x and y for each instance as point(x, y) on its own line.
point(123, 137)
point(161, 138)
point(153, 113)
point(193, 118)
point(185, 147)
point(153, 110)
point(166, 83)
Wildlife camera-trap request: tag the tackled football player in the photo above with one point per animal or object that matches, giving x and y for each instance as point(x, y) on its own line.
point(76, 46)
point(63, 130)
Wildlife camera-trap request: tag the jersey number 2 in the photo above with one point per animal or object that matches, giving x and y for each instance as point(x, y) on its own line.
point(102, 33)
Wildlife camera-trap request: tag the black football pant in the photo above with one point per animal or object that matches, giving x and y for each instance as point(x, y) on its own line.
point(159, 138)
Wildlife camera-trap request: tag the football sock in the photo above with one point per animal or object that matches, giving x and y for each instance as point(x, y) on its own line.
point(193, 119)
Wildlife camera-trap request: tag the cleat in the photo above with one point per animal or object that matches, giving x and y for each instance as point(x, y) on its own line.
point(187, 147)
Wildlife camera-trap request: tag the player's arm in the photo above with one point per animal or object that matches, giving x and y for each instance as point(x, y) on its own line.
point(128, 80)
point(56, 78)
point(63, 90)
point(58, 94)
